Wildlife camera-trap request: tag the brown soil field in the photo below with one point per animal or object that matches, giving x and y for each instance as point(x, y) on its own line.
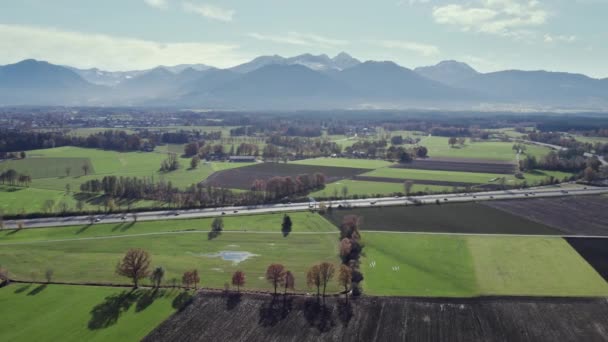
point(472, 218)
point(595, 251)
point(243, 177)
point(585, 215)
point(458, 165)
point(216, 317)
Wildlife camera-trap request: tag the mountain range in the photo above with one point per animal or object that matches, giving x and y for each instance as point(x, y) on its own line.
point(301, 82)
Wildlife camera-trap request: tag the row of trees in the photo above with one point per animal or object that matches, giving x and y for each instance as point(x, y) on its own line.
point(136, 262)
point(281, 187)
point(12, 177)
point(559, 162)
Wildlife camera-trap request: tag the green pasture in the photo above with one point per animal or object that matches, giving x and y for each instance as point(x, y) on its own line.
point(467, 266)
point(32, 312)
point(345, 162)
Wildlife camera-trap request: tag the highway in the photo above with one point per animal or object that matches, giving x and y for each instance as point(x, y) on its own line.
point(278, 208)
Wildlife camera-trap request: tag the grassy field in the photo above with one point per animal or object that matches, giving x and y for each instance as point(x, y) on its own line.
point(489, 150)
point(465, 177)
point(81, 254)
point(432, 265)
point(364, 188)
point(80, 313)
point(344, 162)
point(50, 179)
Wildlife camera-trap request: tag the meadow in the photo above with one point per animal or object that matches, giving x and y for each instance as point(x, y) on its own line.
point(368, 189)
point(467, 266)
point(32, 312)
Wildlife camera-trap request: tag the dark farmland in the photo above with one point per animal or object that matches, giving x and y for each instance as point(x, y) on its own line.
point(458, 165)
point(243, 177)
point(586, 215)
point(214, 317)
point(594, 251)
point(470, 218)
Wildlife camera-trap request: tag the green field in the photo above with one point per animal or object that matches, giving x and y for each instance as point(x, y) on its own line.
point(81, 313)
point(364, 188)
point(488, 150)
point(344, 162)
point(465, 177)
point(48, 166)
point(89, 254)
point(453, 265)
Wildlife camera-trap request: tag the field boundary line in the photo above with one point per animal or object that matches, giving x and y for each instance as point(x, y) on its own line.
point(166, 233)
point(488, 234)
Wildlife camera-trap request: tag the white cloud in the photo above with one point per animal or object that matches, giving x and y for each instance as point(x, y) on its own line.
point(303, 39)
point(108, 52)
point(209, 11)
point(419, 48)
point(160, 4)
point(559, 38)
point(512, 18)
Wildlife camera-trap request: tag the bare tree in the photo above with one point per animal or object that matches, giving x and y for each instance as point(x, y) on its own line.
point(313, 278)
point(275, 274)
point(4, 279)
point(157, 276)
point(407, 186)
point(194, 162)
point(238, 280)
point(68, 170)
point(48, 275)
point(191, 278)
point(345, 276)
point(86, 168)
point(452, 141)
point(290, 282)
point(326, 273)
point(134, 265)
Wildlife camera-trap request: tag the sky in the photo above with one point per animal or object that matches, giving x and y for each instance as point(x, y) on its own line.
point(489, 35)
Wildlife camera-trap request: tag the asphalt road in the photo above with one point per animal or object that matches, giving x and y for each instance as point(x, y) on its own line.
point(278, 208)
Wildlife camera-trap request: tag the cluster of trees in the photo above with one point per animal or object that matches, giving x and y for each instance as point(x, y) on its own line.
point(351, 249)
point(170, 164)
point(131, 188)
point(107, 140)
point(559, 161)
point(399, 140)
point(456, 140)
point(12, 155)
point(303, 147)
point(281, 187)
point(12, 177)
point(184, 137)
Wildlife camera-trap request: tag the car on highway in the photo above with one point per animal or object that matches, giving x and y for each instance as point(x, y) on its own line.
point(97, 219)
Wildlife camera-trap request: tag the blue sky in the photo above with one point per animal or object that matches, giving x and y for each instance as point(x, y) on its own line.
point(559, 35)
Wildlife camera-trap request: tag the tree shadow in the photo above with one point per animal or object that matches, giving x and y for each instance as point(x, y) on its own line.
point(274, 311)
point(84, 228)
point(118, 226)
point(212, 235)
point(232, 300)
point(182, 300)
point(345, 311)
point(23, 288)
point(37, 290)
point(147, 297)
point(285, 232)
point(128, 226)
point(107, 313)
point(13, 231)
point(318, 315)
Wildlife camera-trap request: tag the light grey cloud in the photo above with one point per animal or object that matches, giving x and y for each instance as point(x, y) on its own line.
point(296, 38)
point(510, 18)
point(109, 52)
point(422, 49)
point(160, 4)
point(209, 11)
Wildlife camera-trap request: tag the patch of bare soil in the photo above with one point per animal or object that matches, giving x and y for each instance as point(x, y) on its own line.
point(585, 215)
point(215, 317)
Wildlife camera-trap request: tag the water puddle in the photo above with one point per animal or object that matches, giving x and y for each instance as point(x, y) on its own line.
point(234, 256)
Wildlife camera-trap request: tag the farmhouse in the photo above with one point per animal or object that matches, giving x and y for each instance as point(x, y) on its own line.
point(242, 159)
